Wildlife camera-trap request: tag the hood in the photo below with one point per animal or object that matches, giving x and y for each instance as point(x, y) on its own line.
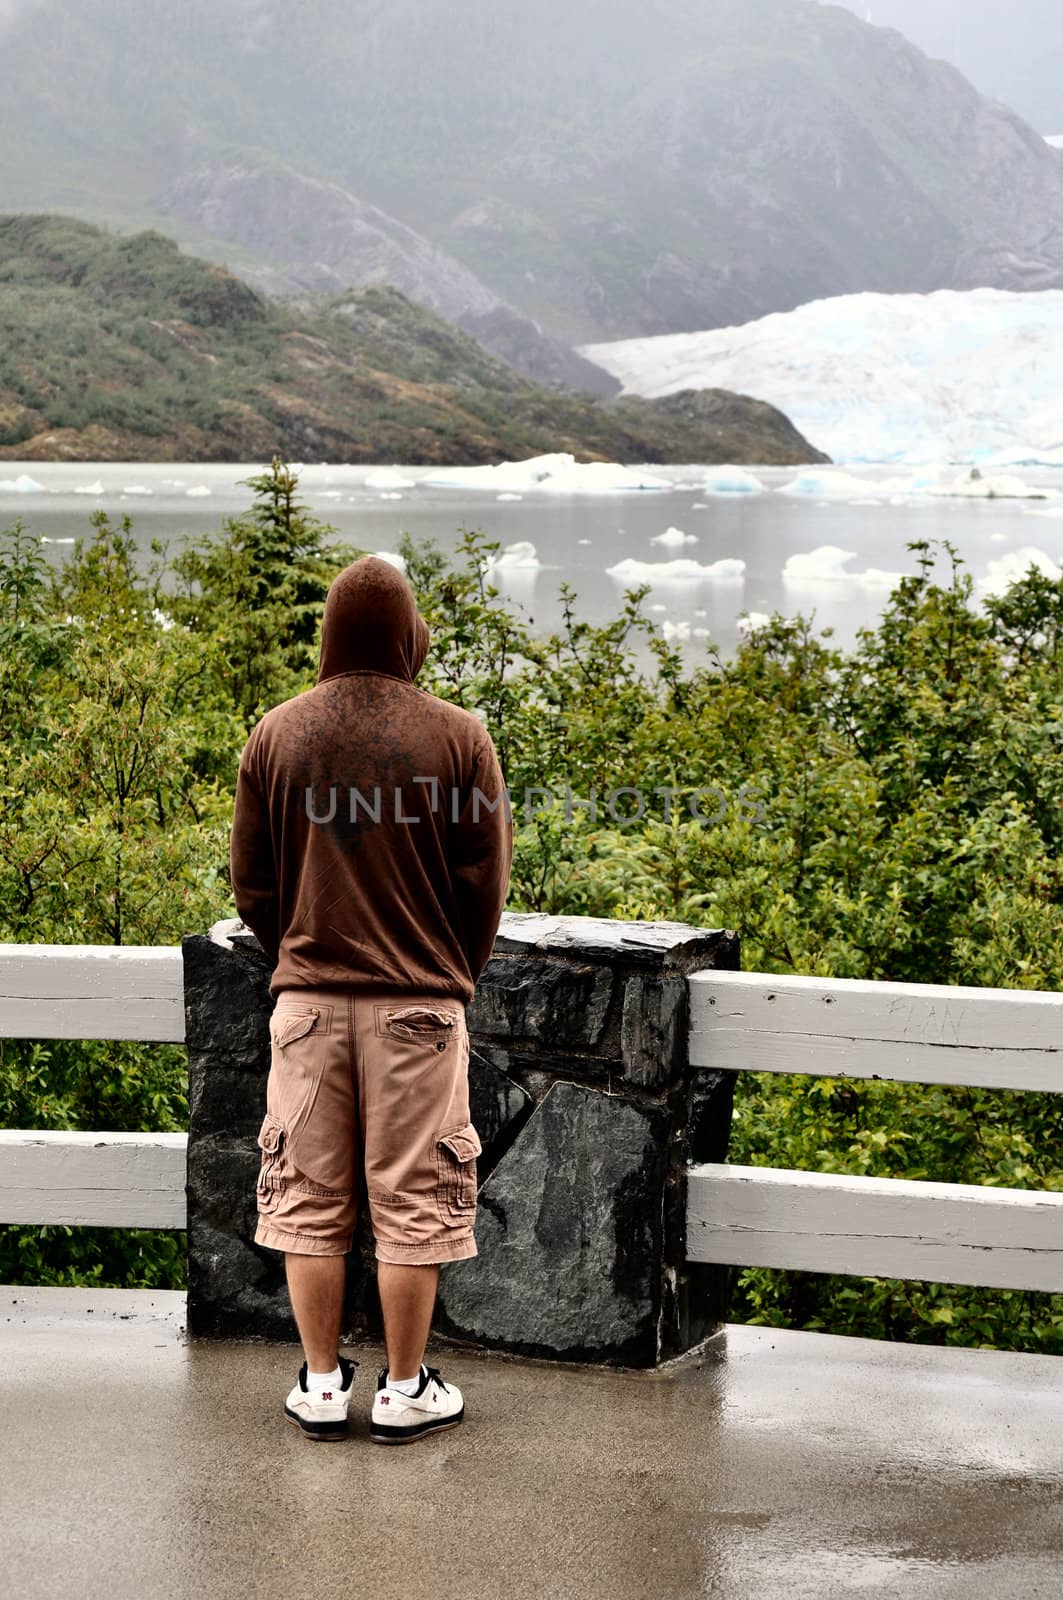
point(371, 623)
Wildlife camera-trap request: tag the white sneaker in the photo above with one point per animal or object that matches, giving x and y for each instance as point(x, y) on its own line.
point(402, 1419)
point(321, 1413)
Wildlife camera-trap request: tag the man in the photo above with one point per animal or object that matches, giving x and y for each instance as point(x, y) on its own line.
point(371, 849)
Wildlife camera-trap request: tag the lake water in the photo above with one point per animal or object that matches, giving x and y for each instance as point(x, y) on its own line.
point(578, 536)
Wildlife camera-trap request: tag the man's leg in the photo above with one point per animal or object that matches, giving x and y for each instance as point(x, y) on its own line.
point(315, 1285)
point(407, 1300)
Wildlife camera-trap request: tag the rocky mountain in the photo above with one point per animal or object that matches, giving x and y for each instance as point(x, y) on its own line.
point(123, 348)
point(607, 170)
point(322, 239)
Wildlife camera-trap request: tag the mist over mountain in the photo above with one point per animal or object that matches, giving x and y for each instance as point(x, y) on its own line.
point(602, 168)
point(1012, 50)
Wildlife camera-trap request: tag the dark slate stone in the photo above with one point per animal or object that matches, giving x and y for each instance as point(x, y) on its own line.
point(499, 1110)
point(709, 1115)
point(570, 1236)
point(651, 944)
point(653, 1030)
point(563, 1004)
point(227, 1005)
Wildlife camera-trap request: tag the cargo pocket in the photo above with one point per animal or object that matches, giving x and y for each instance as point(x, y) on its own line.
point(421, 1022)
point(271, 1143)
point(288, 1026)
point(456, 1167)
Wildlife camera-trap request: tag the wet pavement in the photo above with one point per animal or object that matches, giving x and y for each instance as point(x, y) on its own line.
point(136, 1466)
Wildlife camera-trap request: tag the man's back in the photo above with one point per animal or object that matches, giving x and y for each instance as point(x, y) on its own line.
point(371, 839)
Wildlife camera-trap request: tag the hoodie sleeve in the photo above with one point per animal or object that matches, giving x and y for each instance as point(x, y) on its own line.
point(252, 865)
point(481, 854)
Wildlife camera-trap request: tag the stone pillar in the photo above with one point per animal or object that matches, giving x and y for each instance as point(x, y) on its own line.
point(588, 1115)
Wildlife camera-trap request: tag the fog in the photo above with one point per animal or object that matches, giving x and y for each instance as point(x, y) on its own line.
point(1010, 49)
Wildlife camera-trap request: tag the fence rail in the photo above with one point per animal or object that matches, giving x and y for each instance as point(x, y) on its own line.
point(910, 1032)
point(89, 991)
point(739, 1021)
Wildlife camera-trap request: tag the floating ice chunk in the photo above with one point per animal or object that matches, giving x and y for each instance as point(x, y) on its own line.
point(676, 632)
point(511, 476)
point(509, 497)
point(752, 620)
point(583, 541)
point(658, 608)
point(681, 570)
point(24, 484)
point(522, 556)
point(89, 488)
point(674, 538)
point(164, 621)
point(700, 505)
point(390, 494)
point(730, 480)
point(836, 484)
point(1005, 570)
point(388, 478)
point(198, 491)
point(974, 486)
point(44, 539)
point(602, 477)
point(828, 561)
point(136, 488)
point(392, 558)
point(1052, 512)
point(552, 474)
point(830, 564)
point(700, 633)
point(330, 494)
point(1002, 538)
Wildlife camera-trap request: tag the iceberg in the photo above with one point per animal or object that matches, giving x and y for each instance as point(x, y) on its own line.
point(1006, 570)
point(682, 570)
point(552, 474)
point(974, 486)
point(197, 492)
point(89, 488)
point(957, 375)
point(136, 488)
point(521, 555)
point(674, 538)
point(23, 484)
point(829, 563)
point(392, 559)
point(388, 478)
point(837, 484)
point(729, 480)
point(752, 620)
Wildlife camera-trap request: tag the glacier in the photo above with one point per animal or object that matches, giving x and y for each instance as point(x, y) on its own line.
point(962, 377)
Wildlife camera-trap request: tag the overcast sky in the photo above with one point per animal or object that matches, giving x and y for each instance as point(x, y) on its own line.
point(1010, 49)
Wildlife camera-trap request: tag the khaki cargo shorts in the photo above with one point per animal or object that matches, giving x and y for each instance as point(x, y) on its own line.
point(373, 1085)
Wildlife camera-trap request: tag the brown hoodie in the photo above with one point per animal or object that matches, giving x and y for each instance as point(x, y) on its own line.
point(371, 840)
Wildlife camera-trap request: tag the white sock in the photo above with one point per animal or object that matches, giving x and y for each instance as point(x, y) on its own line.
point(406, 1386)
point(324, 1380)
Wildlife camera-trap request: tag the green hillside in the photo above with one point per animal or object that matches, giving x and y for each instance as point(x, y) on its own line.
point(122, 348)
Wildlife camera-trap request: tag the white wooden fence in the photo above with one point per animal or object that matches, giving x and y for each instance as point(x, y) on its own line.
point(876, 1227)
point(740, 1021)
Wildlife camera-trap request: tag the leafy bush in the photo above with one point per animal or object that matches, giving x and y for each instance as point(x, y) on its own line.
point(890, 812)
